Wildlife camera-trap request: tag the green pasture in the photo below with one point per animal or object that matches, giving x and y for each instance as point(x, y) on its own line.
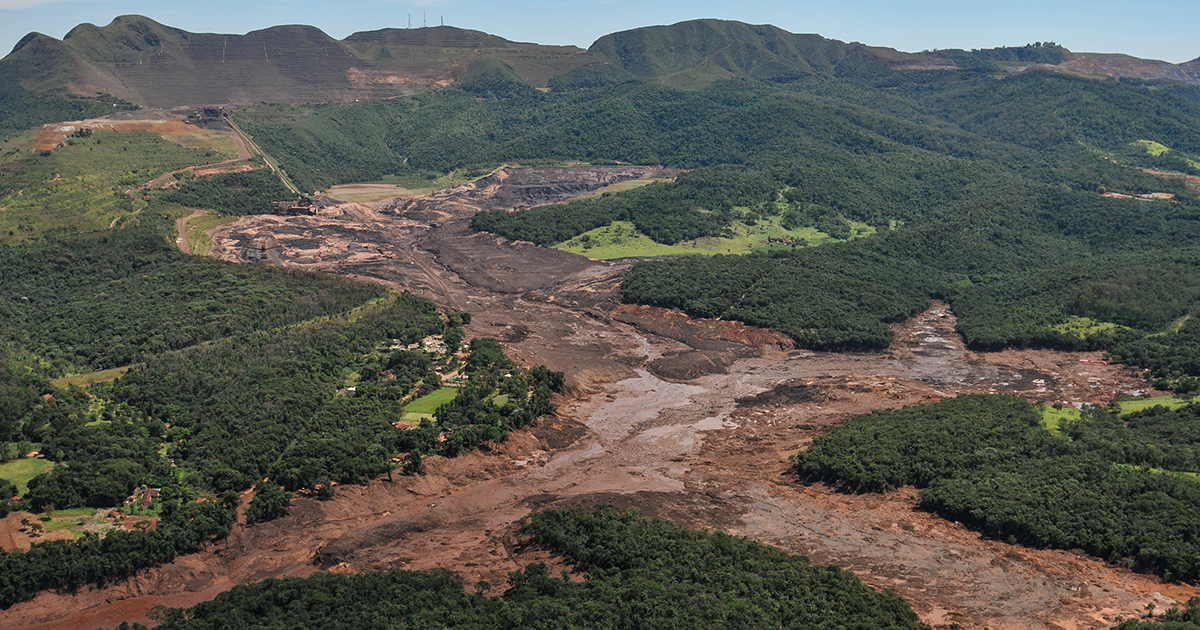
point(1153, 148)
point(424, 406)
point(83, 186)
point(1131, 405)
point(621, 239)
point(20, 471)
point(1053, 418)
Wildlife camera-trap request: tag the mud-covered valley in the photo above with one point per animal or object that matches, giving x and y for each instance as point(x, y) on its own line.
point(692, 420)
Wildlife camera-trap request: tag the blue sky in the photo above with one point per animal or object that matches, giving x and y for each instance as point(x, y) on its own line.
point(1157, 30)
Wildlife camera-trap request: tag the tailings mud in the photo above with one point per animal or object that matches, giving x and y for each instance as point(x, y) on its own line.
point(685, 419)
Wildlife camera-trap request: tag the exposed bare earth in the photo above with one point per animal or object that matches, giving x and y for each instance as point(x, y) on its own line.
point(653, 420)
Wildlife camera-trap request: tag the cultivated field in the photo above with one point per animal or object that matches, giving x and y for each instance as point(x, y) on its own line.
point(424, 407)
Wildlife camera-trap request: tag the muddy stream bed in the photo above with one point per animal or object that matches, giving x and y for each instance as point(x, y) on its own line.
point(691, 420)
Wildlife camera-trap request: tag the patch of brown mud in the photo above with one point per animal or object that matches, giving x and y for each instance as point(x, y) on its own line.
point(712, 345)
point(947, 572)
point(931, 341)
point(227, 168)
point(15, 535)
point(497, 264)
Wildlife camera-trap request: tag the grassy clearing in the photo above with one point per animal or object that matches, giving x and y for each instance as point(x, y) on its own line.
point(205, 139)
point(1084, 327)
point(199, 240)
point(82, 186)
point(623, 186)
point(1160, 471)
point(1153, 148)
point(423, 408)
point(430, 402)
point(621, 239)
point(1156, 149)
point(1131, 405)
point(91, 378)
point(1053, 418)
point(20, 471)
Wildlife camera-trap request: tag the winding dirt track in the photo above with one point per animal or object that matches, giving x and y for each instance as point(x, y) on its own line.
point(653, 420)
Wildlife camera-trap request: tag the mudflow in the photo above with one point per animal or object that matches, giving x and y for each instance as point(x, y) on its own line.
point(691, 420)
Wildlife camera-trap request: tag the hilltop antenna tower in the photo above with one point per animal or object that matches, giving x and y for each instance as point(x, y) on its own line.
point(443, 20)
point(424, 23)
point(409, 20)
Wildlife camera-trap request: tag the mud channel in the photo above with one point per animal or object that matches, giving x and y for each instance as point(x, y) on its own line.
point(691, 420)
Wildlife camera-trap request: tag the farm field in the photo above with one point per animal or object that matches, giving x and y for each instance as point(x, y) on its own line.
point(424, 407)
point(363, 193)
point(395, 186)
point(621, 239)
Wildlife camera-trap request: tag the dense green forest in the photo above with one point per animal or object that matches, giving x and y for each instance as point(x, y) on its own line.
point(248, 192)
point(833, 297)
point(268, 404)
point(1106, 486)
point(109, 300)
point(641, 573)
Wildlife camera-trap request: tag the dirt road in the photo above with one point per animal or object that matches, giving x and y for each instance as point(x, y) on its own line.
point(685, 419)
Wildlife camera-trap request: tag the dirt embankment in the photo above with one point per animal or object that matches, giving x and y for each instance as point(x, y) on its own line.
point(689, 420)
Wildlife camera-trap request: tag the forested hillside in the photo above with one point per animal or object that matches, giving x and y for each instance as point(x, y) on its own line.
point(979, 190)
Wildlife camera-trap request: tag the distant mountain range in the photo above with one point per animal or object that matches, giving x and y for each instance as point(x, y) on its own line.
point(142, 61)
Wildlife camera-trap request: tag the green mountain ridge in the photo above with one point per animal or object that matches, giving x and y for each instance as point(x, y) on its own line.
point(142, 61)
